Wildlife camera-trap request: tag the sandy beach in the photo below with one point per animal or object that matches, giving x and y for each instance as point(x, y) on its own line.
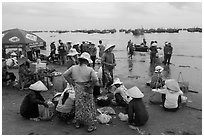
point(187, 120)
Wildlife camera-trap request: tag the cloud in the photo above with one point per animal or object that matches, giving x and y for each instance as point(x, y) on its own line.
point(79, 14)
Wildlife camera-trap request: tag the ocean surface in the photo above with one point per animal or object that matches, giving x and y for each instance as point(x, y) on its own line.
point(186, 58)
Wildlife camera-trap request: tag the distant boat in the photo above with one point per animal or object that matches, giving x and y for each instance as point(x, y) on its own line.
point(137, 32)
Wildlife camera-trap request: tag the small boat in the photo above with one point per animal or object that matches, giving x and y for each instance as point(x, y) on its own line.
point(141, 48)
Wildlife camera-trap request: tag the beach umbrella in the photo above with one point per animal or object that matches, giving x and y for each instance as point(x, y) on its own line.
point(16, 38)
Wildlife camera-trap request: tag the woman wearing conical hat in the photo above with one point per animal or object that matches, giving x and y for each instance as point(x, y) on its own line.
point(108, 64)
point(137, 113)
point(171, 95)
point(29, 107)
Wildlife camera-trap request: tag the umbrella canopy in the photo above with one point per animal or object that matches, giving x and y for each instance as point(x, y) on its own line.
point(15, 37)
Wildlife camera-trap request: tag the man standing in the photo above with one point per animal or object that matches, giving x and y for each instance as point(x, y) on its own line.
point(168, 49)
point(101, 48)
point(52, 50)
point(108, 64)
point(62, 52)
point(153, 52)
point(92, 52)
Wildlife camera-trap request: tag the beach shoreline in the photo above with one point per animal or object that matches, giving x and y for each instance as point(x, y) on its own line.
point(187, 120)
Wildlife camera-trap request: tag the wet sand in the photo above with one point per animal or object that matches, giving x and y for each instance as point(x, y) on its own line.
point(187, 120)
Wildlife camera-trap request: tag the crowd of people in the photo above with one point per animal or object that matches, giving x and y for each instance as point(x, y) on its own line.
point(77, 102)
point(154, 53)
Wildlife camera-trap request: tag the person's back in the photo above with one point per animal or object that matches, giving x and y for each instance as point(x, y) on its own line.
point(92, 50)
point(81, 73)
point(138, 112)
point(62, 49)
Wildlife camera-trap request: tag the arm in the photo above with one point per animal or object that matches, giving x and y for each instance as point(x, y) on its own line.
point(162, 91)
point(94, 77)
point(67, 75)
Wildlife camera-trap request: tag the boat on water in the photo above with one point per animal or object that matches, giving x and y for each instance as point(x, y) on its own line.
point(137, 32)
point(141, 48)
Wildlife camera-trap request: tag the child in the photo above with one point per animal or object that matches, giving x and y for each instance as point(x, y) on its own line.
point(171, 95)
point(137, 113)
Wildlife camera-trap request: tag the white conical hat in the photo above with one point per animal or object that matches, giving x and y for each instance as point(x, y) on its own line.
point(109, 46)
point(13, 54)
point(172, 84)
point(38, 86)
point(158, 69)
point(154, 44)
point(72, 52)
point(117, 81)
point(86, 56)
point(135, 92)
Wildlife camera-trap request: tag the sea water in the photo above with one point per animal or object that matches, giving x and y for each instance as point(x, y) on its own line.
point(186, 58)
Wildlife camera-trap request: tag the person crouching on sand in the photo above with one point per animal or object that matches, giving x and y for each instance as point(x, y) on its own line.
point(137, 113)
point(120, 95)
point(157, 80)
point(65, 107)
point(171, 95)
point(29, 107)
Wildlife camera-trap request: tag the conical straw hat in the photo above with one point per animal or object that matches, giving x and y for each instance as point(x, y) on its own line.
point(158, 69)
point(109, 46)
point(172, 84)
point(38, 86)
point(86, 56)
point(73, 52)
point(117, 81)
point(135, 92)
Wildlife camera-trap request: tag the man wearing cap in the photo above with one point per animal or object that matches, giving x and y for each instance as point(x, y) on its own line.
point(108, 64)
point(29, 107)
point(137, 113)
point(168, 49)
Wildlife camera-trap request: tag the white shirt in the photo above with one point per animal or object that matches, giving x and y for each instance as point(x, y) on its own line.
point(122, 90)
point(171, 100)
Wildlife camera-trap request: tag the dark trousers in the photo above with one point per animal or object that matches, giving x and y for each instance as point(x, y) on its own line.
point(62, 58)
point(152, 58)
point(93, 58)
point(167, 58)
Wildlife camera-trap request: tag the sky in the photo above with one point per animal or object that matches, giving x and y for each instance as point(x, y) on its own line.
point(100, 15)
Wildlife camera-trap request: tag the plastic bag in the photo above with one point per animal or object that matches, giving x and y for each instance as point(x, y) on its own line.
point(47, 113)
point(106, 110)
point(103, 118)
point(123, 117)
